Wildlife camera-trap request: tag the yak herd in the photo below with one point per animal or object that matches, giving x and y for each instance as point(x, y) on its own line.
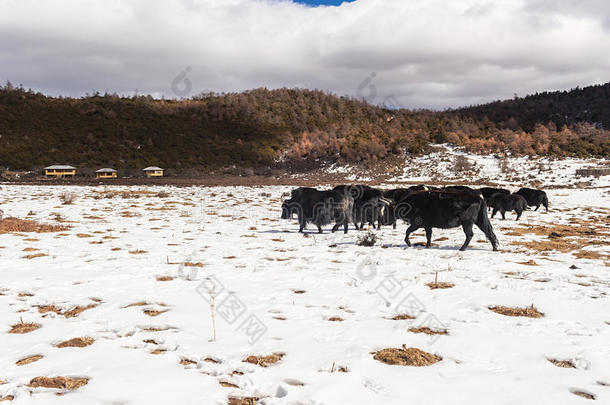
point(420, 206)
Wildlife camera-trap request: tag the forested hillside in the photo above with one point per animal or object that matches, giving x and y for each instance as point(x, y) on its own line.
point(291, 127)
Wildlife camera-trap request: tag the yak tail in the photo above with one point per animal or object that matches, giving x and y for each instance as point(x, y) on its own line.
point(484, 224)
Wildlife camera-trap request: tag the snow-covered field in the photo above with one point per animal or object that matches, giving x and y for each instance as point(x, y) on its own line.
point(151, 268)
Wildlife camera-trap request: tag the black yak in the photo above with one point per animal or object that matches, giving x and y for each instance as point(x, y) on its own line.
point(511, 202)
point(445, 209)
point(319, 208)
point(534, 198)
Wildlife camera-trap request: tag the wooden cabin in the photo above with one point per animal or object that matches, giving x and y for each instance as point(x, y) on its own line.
point(60, 171)
point(106, 173)
point(153, 171)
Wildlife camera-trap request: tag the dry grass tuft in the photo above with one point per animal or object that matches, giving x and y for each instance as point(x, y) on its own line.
point(21, 328)
point(34, 255)
point(429, 331)
point(530, 262)
point(164, 278)
point(583, 394)
point(402, 317)
point(28, 360)
point(10, 224)
point(189, 264)
point(77, 342)
point(65, 383)
point(335, 319)
point(154, 312)
point(6, 398)
point(264, 361)
point(138, 304)
point(187, 362)
point(243, 400)
point(406, 357)
point(529, 312)
point(562, 363)
point(228, 384)
point(137, 252)
point(76, 311)
point(435, 286)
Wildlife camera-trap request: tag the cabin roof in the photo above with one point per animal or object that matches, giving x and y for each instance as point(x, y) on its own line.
point(151, 168)
point(60, 167)
point(106, 170)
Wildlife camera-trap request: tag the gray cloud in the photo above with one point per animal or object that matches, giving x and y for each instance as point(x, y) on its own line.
point(425, 53)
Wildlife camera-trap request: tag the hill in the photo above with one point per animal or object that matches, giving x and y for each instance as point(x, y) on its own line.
point(293, 128)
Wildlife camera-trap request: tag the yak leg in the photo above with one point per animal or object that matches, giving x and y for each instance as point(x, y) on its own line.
point(467, 226)
point(319, 229)
point(335, 227)
point(537, 206)
point(495, 211)
point(428, 237)
point(518, 214)
point(503, 213)
point(412, 228)
point(394, 225)
point(302, 224)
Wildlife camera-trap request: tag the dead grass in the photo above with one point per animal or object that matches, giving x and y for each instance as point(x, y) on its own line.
point(154, 312)
point(65, 383)
point(77, 342)
point(406, 357)
point(529, 312)
point(138, 304)
point(189, 264)
point(228, 384)
point(28, 360)
point(21, 328)
point(137, 252)
point(243, 400)
point(6, 398)
point(583, 394)
point(164, 278)
point(187, 362)
point(530, 262)
point(34, 255)
point(562, 363)
point(264, 361)
point(11, 224)
point(436, 286)
point(335, 319)
point(429, 331)
point(76, 311)
point(402, 317)
point(570, 238)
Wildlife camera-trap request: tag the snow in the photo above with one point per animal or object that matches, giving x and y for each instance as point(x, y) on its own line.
point(487, 357)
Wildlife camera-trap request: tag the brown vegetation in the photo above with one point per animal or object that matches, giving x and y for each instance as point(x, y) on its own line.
point(264, 361)
point(428, 331)
point(77, 342)
point(529, 312)
point(254, 128)
point(406, 357)
point(11, 224)
point(22, 327)
point(438, 285)
point(562, 363)
point(28, 360)
point(66, 383)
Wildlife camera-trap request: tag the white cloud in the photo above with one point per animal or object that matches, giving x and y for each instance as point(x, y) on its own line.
point(424, 53)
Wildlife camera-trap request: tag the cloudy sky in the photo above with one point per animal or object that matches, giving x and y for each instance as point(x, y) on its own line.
point(409, 53)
